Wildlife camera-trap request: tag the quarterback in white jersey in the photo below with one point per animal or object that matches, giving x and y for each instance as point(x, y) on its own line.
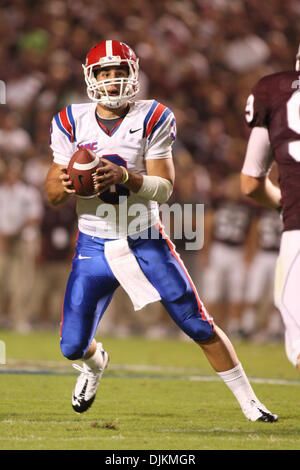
point(146, 131)
point(133, 139)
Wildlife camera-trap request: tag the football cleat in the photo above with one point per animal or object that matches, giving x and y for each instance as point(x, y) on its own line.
point(256, 411)
point(87, 383)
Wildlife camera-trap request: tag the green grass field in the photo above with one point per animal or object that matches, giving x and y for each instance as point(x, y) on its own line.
point(155, 395)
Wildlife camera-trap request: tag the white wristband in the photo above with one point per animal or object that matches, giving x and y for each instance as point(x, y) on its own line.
point(126, 177)
point(155, 188)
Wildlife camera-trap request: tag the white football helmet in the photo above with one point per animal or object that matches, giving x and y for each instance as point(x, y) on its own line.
point(105, 54)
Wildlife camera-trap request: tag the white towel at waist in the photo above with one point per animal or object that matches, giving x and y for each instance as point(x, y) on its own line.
point(127, 271)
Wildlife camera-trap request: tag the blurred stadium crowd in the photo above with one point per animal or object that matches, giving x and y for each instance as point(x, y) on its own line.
point(199, 57)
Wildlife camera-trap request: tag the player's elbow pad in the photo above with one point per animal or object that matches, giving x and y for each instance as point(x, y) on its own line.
point(155, 188)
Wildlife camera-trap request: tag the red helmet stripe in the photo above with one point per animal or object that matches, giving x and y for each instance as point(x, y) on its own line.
point(109, 48)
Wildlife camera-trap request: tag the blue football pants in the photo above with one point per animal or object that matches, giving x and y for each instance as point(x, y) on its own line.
point(91, 285)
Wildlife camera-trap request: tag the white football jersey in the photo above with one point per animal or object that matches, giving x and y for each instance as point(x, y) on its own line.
point(146, 132)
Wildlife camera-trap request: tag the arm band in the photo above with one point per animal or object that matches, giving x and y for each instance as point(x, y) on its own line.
point(155, 188)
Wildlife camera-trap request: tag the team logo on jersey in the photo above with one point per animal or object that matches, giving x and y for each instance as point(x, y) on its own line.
point(132, 131)
point(90, 145)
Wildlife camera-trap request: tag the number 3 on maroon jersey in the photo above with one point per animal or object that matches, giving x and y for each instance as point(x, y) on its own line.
point(293, 120)
point(249, 110)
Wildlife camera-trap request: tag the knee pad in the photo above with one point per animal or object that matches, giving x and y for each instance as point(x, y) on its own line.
point(72, 351)
point(196, 327)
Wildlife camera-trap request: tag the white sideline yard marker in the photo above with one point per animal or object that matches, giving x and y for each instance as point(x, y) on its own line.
point(256, 380)
point(2, 352)
point(162, 372)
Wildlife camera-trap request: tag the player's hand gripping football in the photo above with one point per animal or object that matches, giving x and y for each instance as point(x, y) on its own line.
point(66, 180)
point(107, 175)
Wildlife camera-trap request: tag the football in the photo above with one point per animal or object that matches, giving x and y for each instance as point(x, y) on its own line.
point(81, 168)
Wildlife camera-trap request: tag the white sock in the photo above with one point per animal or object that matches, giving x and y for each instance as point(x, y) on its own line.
point(95, 362)
point(237, 381)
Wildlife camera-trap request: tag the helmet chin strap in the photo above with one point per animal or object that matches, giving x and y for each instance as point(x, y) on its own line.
point(111, 104)
point(128, 85)
point(111, 101)
point(107, 102)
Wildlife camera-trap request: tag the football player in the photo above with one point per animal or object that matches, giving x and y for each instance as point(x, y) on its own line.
point(134, 140)
point(273, 114)
point(228, 223)
point(264, 248)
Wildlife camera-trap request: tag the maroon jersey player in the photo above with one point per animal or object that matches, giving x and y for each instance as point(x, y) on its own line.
point(273, 113)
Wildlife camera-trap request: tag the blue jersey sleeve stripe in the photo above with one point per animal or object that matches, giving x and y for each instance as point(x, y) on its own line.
point(161, 121)
point(71, 119)
point(60, 126)
point(149, 114)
